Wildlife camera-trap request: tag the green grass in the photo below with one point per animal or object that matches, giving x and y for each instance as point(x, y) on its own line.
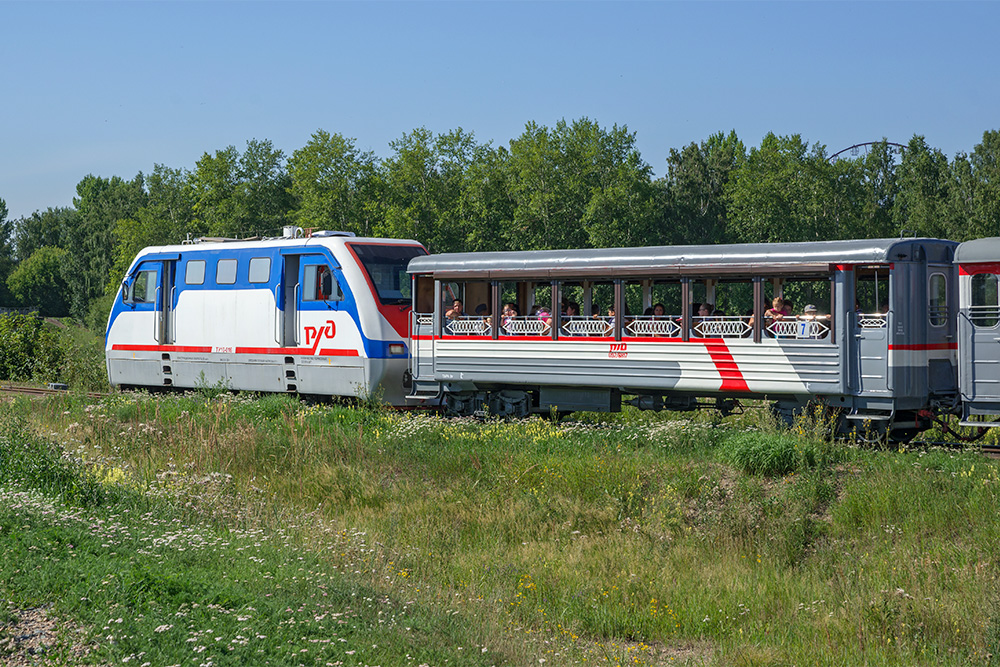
point(657, 539)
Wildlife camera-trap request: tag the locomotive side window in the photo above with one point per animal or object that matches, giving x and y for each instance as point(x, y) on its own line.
point(144, 287)
point(319, 284)
point(985, 309)
point(194, 272)
point(260, 269)
point(937, 299)
point(225, 272)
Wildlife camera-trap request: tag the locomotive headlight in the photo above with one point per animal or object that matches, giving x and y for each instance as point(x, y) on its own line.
point(397, 348)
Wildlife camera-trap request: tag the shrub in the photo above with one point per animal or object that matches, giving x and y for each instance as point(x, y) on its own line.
point(28, 349)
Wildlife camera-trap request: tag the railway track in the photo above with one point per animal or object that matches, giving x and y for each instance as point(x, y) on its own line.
point(13, 389)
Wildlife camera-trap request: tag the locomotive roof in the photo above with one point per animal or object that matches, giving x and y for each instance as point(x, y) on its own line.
point(744, 259)
point(980, 250)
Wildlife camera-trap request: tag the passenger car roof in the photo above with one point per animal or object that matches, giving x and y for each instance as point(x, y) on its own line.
point(744, 259)
point(980, 250)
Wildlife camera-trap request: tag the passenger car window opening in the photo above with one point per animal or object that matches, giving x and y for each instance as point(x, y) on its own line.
point(984, 309)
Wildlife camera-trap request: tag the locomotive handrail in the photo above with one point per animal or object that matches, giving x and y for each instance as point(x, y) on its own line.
point(173, 320)
point(275, 327)
point(156, 314)
point(298, 314)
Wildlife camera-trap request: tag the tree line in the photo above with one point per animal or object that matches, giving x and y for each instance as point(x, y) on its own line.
point(574, 185)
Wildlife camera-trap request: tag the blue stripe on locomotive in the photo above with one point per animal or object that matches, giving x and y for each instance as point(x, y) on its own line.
point(374, 349)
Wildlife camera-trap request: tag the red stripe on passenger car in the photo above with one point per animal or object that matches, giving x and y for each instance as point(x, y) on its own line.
point(732, 377)
point(978, 267)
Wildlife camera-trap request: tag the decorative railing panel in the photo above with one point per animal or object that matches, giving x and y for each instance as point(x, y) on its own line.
point(798, 328)
point(646, 325)
point(524, 325)
point(468, 326)
point(587, 326)
point(873, 320)
point(729, 326)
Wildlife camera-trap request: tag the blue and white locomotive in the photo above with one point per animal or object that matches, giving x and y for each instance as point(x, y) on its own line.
point(325, 314)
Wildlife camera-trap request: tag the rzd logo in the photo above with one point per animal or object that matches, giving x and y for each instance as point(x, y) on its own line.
point(316, 334)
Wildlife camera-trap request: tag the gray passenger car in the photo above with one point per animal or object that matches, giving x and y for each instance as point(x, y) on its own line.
point(566, 330)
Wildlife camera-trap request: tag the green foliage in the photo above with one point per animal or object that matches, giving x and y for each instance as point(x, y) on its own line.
point(572, 185)
point(332, 182)
point(45, 228)
point(29, 350)
point(39, 282)
point(90, 238)
point(240, 195)
point(770, 454)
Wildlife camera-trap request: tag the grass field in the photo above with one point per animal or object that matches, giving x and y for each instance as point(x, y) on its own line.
point(219, 529)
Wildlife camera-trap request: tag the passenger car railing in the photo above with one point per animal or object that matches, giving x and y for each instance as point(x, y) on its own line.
point(524, 325)
point(872, 320)
point(984, 317)
point(652, 325)
point(586, 326)
point(803, 327)
point(468, 325)
point(721, 326)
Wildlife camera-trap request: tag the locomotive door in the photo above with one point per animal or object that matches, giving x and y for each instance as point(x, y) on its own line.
point(979, 324)
point(309, 285)
point(150, 294)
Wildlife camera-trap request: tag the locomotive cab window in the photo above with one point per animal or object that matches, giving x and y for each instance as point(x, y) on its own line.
point(260, 269)
point(937, 299)
point(985, 309)
point(143, 289)
point(225, 272)
point(319, 284)
point(194, 272)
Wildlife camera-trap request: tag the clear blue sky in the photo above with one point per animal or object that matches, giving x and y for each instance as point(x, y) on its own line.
point(111, 89)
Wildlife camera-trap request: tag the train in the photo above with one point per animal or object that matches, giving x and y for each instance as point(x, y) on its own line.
point(322, 314)
point(887, 334)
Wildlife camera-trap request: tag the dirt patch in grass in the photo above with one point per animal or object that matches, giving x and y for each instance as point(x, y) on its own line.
point(34, 637)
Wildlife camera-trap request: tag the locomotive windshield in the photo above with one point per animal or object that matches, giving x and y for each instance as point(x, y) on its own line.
point(386, 268)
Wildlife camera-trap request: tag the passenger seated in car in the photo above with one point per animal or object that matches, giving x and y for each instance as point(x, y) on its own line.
point(705, 311)
point(778, 309)
point(545, 317)
point(455, 311)
point(510, 314)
